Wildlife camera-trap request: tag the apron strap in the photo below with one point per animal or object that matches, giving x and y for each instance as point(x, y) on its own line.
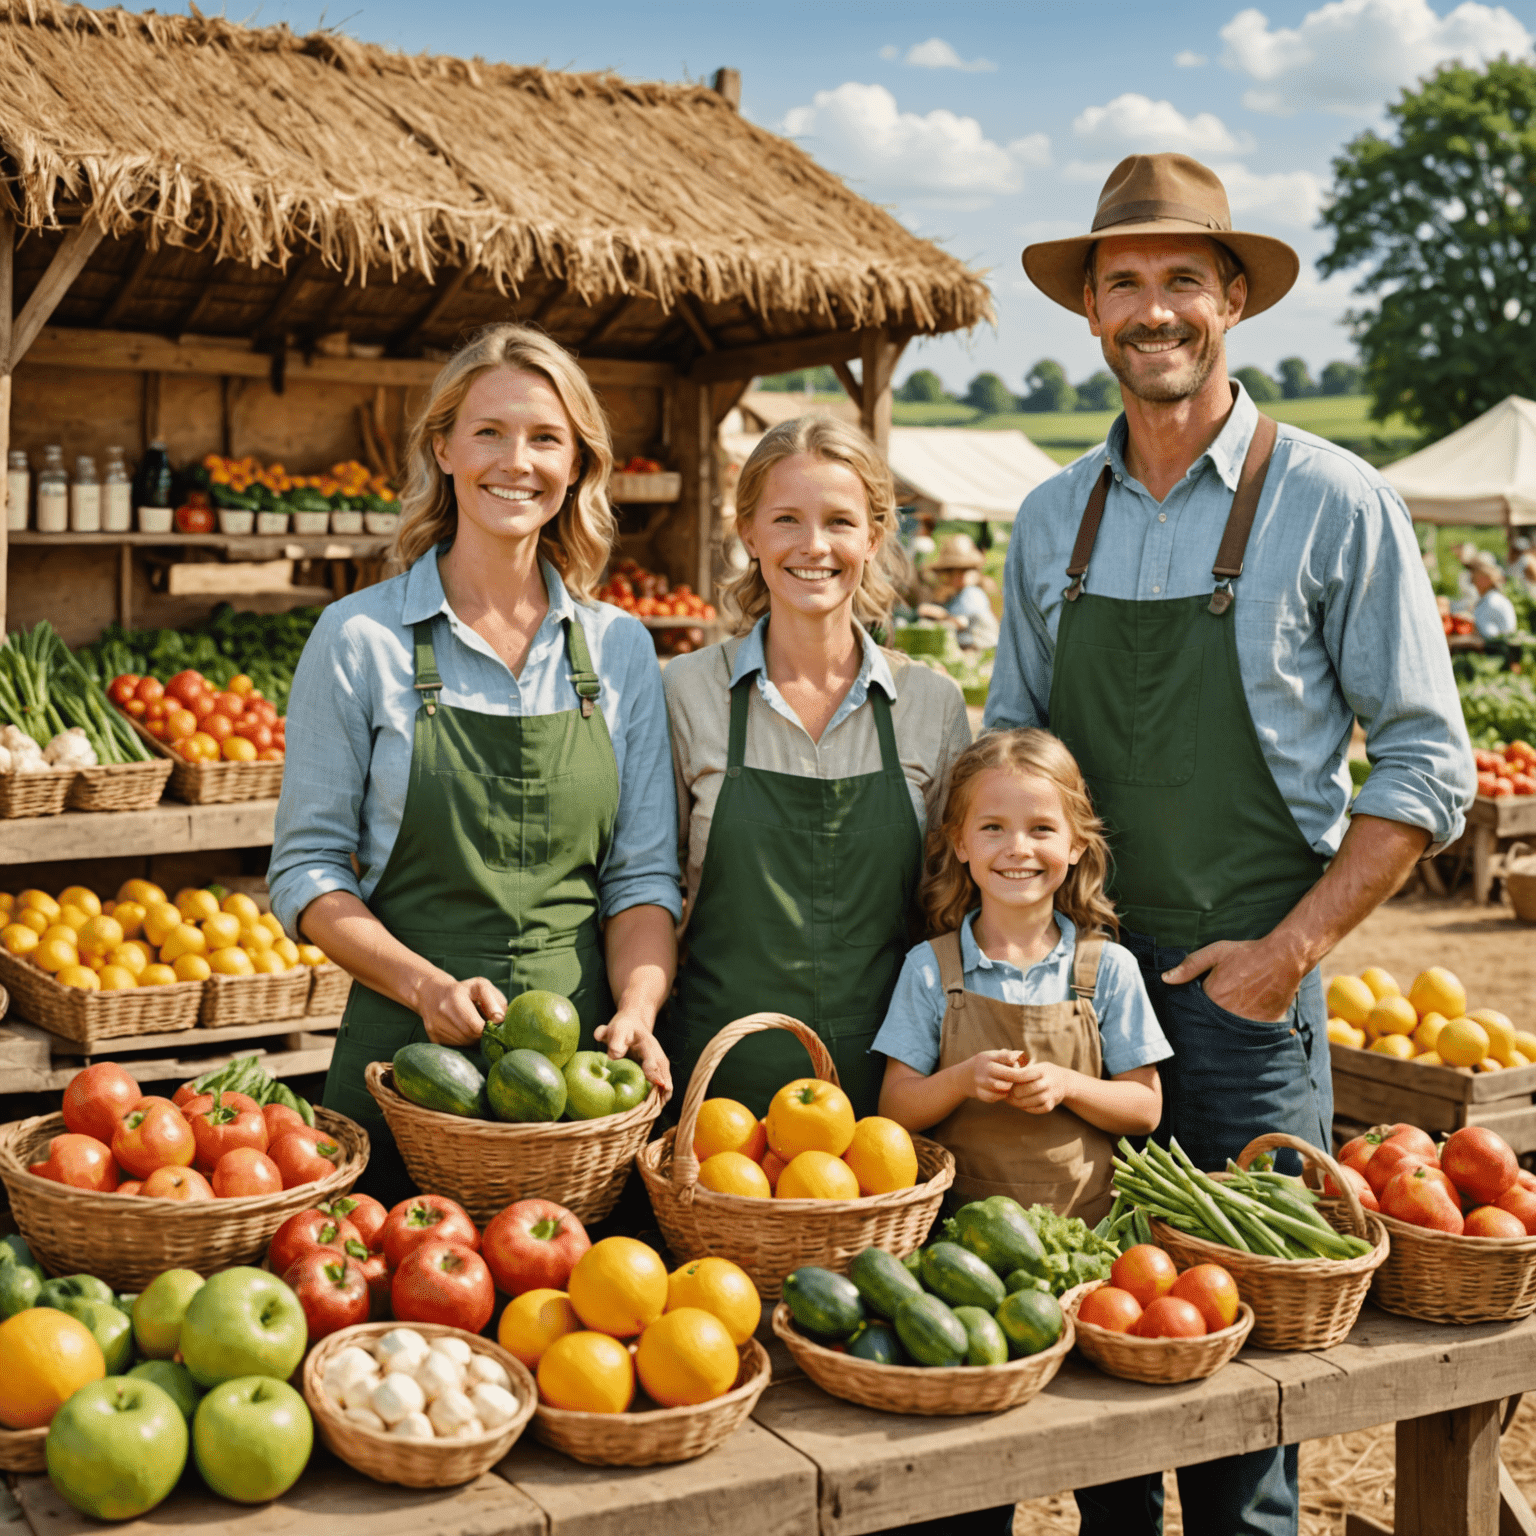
point(1087, 533)
point(428, 683)
point(890, 758)
point(736, 752)
point(1085, 966)
point(1245, 507)
point(951, 968)
point(587, 683)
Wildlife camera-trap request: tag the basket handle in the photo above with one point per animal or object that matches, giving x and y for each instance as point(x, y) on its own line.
point(1319, 1159)
point(685, 1166)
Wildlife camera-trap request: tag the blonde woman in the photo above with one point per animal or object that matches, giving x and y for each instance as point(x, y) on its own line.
point(474, 802)
point(807, 760)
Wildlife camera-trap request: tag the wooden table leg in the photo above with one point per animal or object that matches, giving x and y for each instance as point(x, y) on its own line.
point(1448, 1473)
point(1483, 842)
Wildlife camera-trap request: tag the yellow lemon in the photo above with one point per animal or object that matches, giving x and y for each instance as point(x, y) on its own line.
point(222, 930)
point(1350, 999)
point(1428, 1031)
point(53, 955)
point(238, 904)
point(63, 933)
point(195, 905)
point(312, 954)
point(1399, 1046)
point(268, 920)
point(289, 951)
point(231, 962)
point(39, 901)
point(1501, 1033)
point(1525, 1043)
point(268, 962)
point(1518, 1059)
point(18, 938)
point(191, 968)
point(81, 976)
point(1392, 1016)
point(117, 978)
point(128, 957)
point(1429, 1059)
point(1490, 1064)
point(83, 897)
point(1462, 1043)
point(96, 963)
point(129, 916)
point(1340, 1033)
point(101, 935)
point(160, 922)
point(182, 940)
point(145, 892)
point(30, 917)
point(1382, 983)
point(254, 936)
point(156, 976)
point(1438, 991)
point(72, 916)
point(145, 948)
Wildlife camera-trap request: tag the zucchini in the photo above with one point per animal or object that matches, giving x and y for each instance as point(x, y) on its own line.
point(999, 1233)
point(988, 1345)
point(957, 1276)
point(883, 1281)
point(878, 1342)
point(1031, 1320)
point(441, 1078)
point(824, 1305)
point(930, 1332)
point(913, 1264)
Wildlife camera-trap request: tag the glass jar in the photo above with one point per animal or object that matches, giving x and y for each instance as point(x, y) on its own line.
point(152, 485)
point(116, 495)
point(18, 487)
point(53, 493)
point(85, 497)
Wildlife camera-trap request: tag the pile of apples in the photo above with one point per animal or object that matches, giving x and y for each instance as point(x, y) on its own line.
point(1510, 772)
point(203, 724)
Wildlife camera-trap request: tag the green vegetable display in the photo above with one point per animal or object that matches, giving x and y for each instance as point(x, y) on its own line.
point(1500, 707)
point(44, 691)
point(957, 1276)
point(883, 1281)
point(998, 1232)
point(245, 1075)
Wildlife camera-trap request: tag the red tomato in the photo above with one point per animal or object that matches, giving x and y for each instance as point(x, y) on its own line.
point(80, 1161)
point(1423, 1197)
point(186, 686)
point(150, 690)
point(199, 1103)
point(1480, 1163)
point(365, 1213)
point(173, 1183)
point(230, 704)
point(1212, 1292)
point(129, 1187)
point(425, 1218)
point(1526, 1179)
point(256, 731)
point(98, 1098)
point(262, 710)
point(156, 710)
point(1490, 1221)
point(201, 705)
point(280, 1118)
point(135, 707)
point(219, 726)
point(1110, 1307)
point(332, 1290)
point(533, 1245)
point(445, 1283)
point(1391, 1156)
point(244, 1171)
point(304, 1156)
point(1502, 788)
point(317, 1228)
point(153, 1134)
point(1171, 1317)
point(120, 690)
point(221, 1129)
point(188, 1090)
point(1145, 1271)
point(1356, 1181)
point(1410, 1135)
point(377, 1273)
point(193, 519)
point(270, 755)
point(180, 724)
point(1486, 783)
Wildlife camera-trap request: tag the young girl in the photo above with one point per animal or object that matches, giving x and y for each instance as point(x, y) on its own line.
point(1020, 1033)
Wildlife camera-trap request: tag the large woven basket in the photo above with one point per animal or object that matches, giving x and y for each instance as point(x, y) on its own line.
point(35, 794)
point(414, 1463)
point(934, 1391)
point(24, 1450)
point(120, 786)
point(1158, 1362)
point(254, 999)
point(651, 1437)
point(1442, 1278)
point(487, 1164)
point(328, 989)
point(89, 1017)
point(770, 1238)
point(127, 1240)
point(224, 783)
point(1297, 1303)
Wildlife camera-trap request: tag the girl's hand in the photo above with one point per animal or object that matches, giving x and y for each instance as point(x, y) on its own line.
point(1040, 1087)
point(627, 1035)
point(456, 1012)
point(991, 1075)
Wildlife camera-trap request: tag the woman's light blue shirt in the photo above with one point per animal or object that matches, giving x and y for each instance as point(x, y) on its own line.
point(1494, 615)
point(1128, 1029)
point(351, 728)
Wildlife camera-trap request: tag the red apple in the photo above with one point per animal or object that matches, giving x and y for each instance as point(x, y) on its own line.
point(421, 1219)
point(376, 1272)
point(445, 1283)
point(331, 1289)
point(307, 1231)
point(97, 1098)
point(533, 1245)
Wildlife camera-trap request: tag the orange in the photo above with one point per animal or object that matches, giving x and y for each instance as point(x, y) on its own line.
point(117, 978)
point(222, 930)
point(238, 904)
point(130, 918)
point(1438, 991)
point(39, 901)
point(686, 1357)
point(18, 938)
point(237, 749)
point(231, 962)
point(809, 1115)
point(157, 976)
point(46, 1356)
point(722, 1289)
point(53, 955)
point(1350, 999)
point(727, 1126)
point(145, 892)
point(882, 1156)
point(83, 897)
point(81, 976)
point(1391, 1016)
point(817, 1176)
point(586, 1372)
point(192, 968)
point(100, 936)
point(30, 917)
point(195, 904)
point(1501, 1034)
point(533, 1321)
point(618, 1286)
point(1382, 983)
point(734, 1173)
point(160, 922)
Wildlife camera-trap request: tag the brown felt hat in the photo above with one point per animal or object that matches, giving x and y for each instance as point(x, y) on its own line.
point(1163, 195)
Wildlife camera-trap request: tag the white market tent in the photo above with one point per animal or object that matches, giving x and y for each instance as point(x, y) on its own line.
point(968, 475)
point(1485, 472)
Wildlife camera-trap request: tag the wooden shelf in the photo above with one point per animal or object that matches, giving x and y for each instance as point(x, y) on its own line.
point(169, 828)
point(250, 546)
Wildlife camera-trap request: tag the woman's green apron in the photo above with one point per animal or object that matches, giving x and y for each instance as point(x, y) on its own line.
point(494, 873)
point(803, 908)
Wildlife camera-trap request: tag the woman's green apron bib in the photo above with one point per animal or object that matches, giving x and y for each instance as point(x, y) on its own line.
point(803, 908)
point(494, 873)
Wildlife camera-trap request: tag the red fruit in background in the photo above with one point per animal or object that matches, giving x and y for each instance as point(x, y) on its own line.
point(185, 1092)
point(120, 690)
point(1357, 1182)
point(365, 1213)
point(375, 1268)
point(97, 1099)
point(129, 1187)
point(1521, 1204)
point(153, 1134)
point(243, 1171)
point(1171, 1317)
point(1481, 1164)
point(445, 1283)
point(149, 690)
point(1409, 1135)
point(304, 1232)
point(331, 1289)
point(280, 1120)
point(1145, 1271)
point(1357, 1152)
point(1416, 1196)
point(1212, 1292)
point(422, 1219)
point(176, 1183)
point(533, 1245)
point(1110, 1307)
point(222, 1128)
point(186, 686)
point(229, 704)
point(1390, 1157)
point(1490, 1221)
point(197, 1103)
point(1526, 1179)
point(82, 1162)
point(304, 1156)
point(201, 707)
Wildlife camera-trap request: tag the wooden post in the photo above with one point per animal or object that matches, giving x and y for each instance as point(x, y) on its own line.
point(878, 355)
point(149, 409)
point(1448, 1473)
point(7, 262)
point(686, 540)
point(125, 585)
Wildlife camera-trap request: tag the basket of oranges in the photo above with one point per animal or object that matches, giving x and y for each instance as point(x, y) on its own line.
point(637, 1368)
point(839, 1185)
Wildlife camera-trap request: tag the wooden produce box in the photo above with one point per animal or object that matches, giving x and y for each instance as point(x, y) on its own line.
point(665, 486)
point(1371, 1089)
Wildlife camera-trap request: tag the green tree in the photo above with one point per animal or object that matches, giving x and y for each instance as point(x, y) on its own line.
point(1099, 392)
point(1046, 388)
point(923, 388)
point(989, 395)
point(1342, 379)
point(1440, 216)
point(1259, 385)
point(1295, 379)
point(818, 381)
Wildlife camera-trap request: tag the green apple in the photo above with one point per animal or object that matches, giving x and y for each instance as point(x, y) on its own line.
point(243, 1322)
point(159, 1309)
point(20, 1285)
point(173, 1378)
point(75, 1288)
point(596, 1086)
point(251, 1438)
point(112, 1329)
point(116, 1447)
point(14, 1249)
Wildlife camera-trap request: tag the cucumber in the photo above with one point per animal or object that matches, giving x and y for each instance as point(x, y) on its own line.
point(957, 1276)
point(913, 1264)
point(441, 1078)
point(1022, 1280)
point(825, 1305)
point(878, 1342)
point(999, 1233)
point(930, 1332)
point(1031, 1320)
point(988, 1344)
point(883, 1281)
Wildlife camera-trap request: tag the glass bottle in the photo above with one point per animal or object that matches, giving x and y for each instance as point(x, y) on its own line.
point(18, 485)
point(53, 493)
point(152, 484)
point(116, 495)
point(85, 497)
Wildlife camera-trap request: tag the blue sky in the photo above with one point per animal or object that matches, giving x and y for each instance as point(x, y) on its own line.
point(984, 125)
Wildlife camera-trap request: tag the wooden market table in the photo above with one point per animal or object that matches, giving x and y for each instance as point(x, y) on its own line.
point(1490, 824)
point(809, 1463)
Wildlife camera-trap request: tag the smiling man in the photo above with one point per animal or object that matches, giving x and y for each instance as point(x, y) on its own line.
point(1201, 609)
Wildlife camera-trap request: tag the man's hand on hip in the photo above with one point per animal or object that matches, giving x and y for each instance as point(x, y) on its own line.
point(1254, 978)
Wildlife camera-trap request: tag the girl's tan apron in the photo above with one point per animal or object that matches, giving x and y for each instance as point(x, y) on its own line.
point(1055, 1159)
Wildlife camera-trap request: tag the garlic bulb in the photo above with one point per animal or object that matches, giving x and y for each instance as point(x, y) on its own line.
point(367, 1419)
point(495, 1405)
point(438, 1374)
point(71, 749)
point(414, 1426)
point(483, 1368)
point(467, 1431)
point(451, 1412)
point(401, 1349)
point(26, 755)
point(358, 1392)
point(457, 1350)
point(348, 1366)
point(397, 1396)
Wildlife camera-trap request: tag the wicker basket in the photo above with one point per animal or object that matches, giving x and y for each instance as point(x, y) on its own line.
point(653, 1437)
point(120, 786)
point(1442, 1278)
point(328, 989)
point(127, 1240)
point(254, 999)
point(35, 794)
point(1158, 1362)
point(413, 1463)
point(224, 783)
point(934, 1391)
point(1297, 1303)
point(487, 1164)
point(1520, 881)
point(770, 1238)
point(89, 1017)
point(24, 1450)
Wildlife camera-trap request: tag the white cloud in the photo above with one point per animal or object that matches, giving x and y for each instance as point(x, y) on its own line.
point(1351, 56)
point(1284, 197)
point(1186, 59)
point(859, 131)
point(1132, 123)
point(937, 54)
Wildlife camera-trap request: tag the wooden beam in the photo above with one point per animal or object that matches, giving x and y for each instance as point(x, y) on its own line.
point(442, 299)
point(1515, 1515)
point(1448, 1473)
point(879, 351)
point(201, 304)
point(724, 398)
point(7, 268)
point(610, 321)
point(776, 357)
point(852, 387)
point(276, 317)
point(68, 262)
point(547, 303)
point(138, 269)
point(695, 323)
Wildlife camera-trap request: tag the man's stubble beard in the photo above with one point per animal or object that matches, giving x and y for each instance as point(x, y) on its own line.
point(1167, 388)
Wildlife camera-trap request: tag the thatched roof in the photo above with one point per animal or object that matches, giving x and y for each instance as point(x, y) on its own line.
point(192, 137)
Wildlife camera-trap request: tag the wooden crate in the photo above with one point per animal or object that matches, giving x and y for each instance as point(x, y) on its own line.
point(1371, 1089)
point(1492, 825)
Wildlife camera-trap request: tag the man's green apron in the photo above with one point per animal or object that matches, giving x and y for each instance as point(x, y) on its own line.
point(1149, 699)
point(803, 908)
point(494, 873)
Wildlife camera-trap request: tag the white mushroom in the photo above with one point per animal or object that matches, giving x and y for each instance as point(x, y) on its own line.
point(396, 1396)
point(358, 1393)
point(456, 1349)
point(495, 1405)
point(488, 1370)
point(451, 1412)
point(438, 1374)
point(367, 1419)
point(401, 1349)
point(414, 1426)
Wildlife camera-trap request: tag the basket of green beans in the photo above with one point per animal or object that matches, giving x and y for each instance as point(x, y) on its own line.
point(1304, 1268)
